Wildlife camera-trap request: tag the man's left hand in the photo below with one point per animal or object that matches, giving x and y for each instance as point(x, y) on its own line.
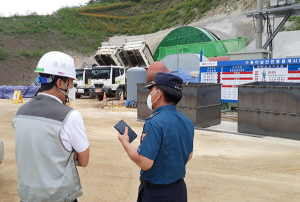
point(75, 155)
point(124, 138)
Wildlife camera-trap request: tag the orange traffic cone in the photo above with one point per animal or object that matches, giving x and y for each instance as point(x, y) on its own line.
point(122, 98)
point(104, 97)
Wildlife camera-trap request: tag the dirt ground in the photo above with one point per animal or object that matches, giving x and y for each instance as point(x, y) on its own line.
point(225, 167)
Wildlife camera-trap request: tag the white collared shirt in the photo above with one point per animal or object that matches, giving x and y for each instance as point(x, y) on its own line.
point(73, 134)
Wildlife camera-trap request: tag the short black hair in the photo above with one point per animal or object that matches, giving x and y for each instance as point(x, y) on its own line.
point(48, 86)
point(171, 95)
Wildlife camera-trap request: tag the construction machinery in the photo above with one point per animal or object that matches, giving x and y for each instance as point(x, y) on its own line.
point(83, 83)
point(135, 52)
point(96, 81)
point(109, 76)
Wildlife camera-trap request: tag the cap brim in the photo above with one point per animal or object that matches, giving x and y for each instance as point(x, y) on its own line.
point(149, 86)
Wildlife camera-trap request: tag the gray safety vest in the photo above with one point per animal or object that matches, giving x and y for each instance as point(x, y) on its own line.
point(46, 169)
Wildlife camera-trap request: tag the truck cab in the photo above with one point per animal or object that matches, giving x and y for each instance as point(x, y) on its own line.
point(98, 80)
point(108, 79)
point(83, 84)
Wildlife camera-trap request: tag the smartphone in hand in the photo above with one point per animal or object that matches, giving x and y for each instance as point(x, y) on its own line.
point(120, 127)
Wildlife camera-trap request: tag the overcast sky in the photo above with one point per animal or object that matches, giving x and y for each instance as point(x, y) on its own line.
point(42, 7)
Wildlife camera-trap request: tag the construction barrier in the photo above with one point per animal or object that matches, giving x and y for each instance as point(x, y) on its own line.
point(270, 109)
point(17, 97)
point(201, 103)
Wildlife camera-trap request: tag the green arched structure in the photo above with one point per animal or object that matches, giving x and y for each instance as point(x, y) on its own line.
point(185, 35)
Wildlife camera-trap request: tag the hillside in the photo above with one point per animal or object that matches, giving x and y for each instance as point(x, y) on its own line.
point(79, 31)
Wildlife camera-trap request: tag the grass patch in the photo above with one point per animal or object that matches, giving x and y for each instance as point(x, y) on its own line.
point(3, 53)
point(296, 26)
point(33, 53)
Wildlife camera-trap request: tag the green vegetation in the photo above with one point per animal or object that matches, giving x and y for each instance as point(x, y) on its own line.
point(296, 26)
point(3, 53)
point(82, 29)
point(33, 53)
point(224, 105)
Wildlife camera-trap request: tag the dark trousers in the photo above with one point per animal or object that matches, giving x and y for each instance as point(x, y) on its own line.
point(172, 193)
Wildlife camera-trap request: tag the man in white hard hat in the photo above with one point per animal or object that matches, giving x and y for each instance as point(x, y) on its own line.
point(50, 137)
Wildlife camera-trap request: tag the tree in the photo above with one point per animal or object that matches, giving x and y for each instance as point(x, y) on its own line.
point(93, 2)
point(90, 2)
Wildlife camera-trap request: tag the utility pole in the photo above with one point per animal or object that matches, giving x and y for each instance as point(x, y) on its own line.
point(259, 25)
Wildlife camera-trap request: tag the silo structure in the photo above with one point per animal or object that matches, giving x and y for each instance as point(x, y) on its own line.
point(135, 75)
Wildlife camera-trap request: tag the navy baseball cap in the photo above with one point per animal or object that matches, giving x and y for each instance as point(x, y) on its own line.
point(166, 79)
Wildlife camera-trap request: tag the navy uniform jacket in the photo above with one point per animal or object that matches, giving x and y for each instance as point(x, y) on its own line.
point(167, 139)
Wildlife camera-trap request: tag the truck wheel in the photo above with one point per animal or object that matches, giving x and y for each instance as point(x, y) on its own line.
point(119, 93)
point(92, 96)
point(100, 97)
point(78, 96)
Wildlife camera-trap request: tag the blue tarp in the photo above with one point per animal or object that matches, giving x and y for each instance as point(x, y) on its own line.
point(7, 92)
point(186, 77)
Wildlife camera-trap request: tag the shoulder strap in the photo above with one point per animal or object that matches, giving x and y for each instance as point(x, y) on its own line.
point(152, 115)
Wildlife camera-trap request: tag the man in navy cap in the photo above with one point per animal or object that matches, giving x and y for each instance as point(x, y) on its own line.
point(166, 143)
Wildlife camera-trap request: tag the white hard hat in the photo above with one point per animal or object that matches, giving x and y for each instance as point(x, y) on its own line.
point(57, 63)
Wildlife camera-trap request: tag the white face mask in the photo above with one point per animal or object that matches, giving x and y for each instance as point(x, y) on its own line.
point(71, 94)
point(149, 103)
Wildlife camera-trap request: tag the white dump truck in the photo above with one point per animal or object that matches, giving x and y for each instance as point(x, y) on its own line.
point(96, 81)
point(113, 61)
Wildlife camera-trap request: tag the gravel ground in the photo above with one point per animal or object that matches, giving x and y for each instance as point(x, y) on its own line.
point(225, 167)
